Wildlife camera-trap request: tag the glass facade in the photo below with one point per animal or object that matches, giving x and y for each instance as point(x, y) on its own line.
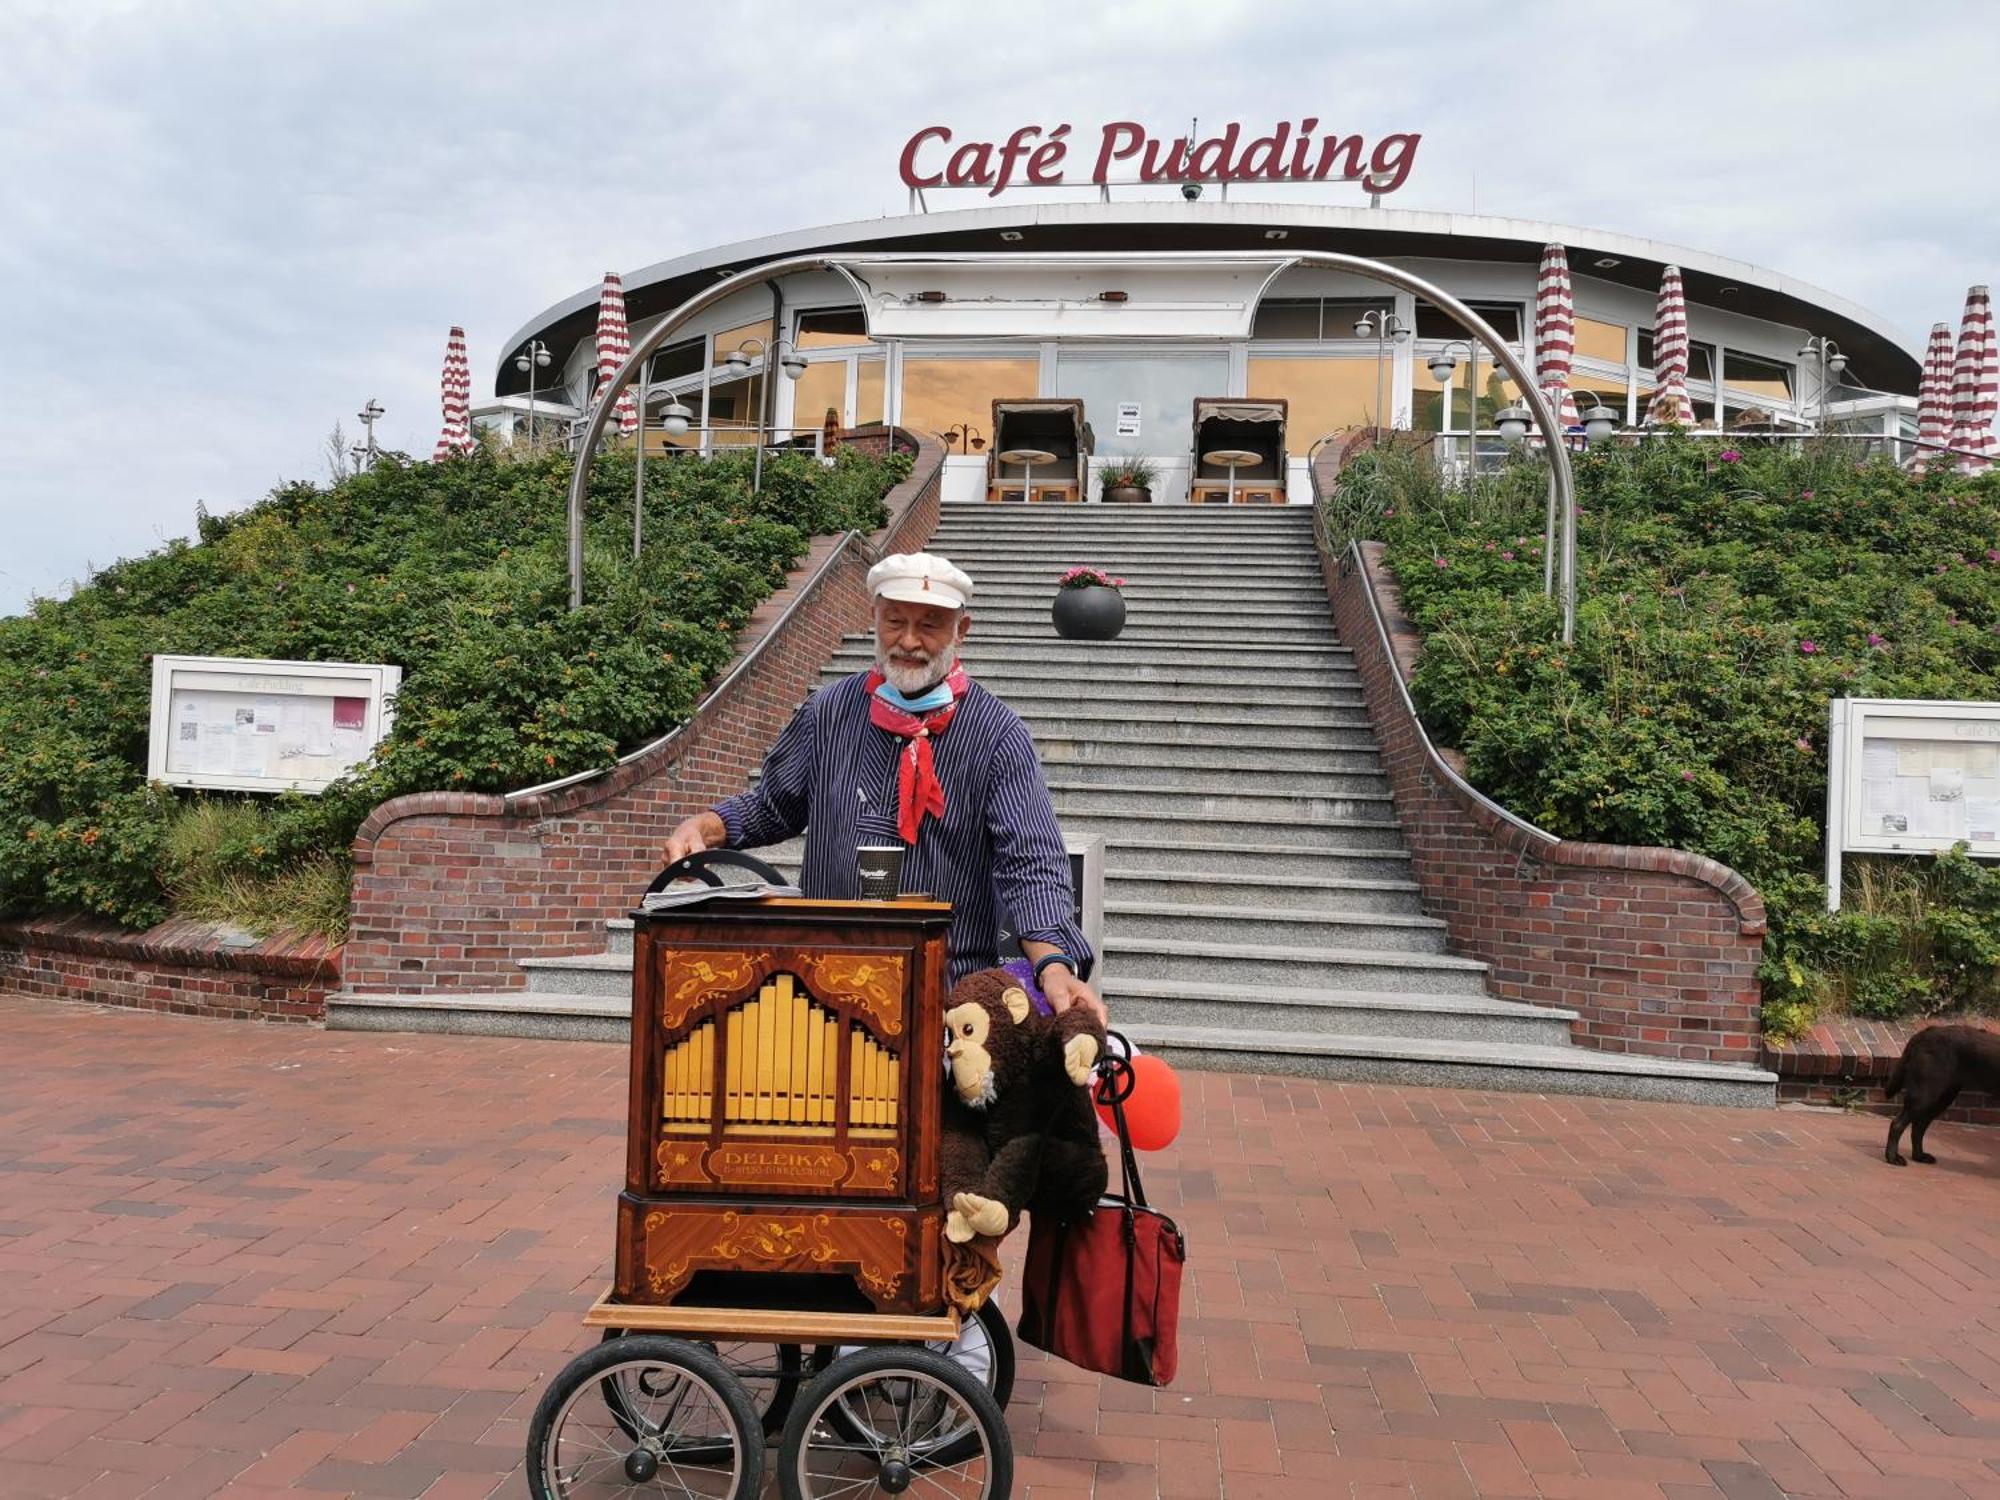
point(1314, 317)
point(1163, 386)
point(941, 393)
point(1322, 395)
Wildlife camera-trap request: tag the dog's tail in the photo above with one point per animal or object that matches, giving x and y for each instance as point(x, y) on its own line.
point(1895, 1084)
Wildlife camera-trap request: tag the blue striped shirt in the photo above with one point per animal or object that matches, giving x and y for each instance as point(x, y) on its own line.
point(832, 775)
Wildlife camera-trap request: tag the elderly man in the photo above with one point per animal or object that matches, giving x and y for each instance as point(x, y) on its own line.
point(915, 752)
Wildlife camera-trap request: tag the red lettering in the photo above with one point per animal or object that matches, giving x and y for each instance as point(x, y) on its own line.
point(908, 162)
point(1264, 156)
point(1215, 159)
point(1175, 169)
point(1389, 168)
point(971, 165)
point(1333, 146)
point(1108, 151)
point(1049, 154)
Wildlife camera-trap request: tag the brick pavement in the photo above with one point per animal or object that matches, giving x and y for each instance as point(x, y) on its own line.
point(250, 1261)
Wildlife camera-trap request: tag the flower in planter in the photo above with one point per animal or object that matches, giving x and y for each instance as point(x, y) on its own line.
point(1088, 578)
point(1731, 456)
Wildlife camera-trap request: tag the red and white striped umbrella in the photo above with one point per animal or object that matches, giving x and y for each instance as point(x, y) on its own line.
point(456, 388)
point(1555, 332)
point(1975, 384)
point(614, 346)
point(1670, 401)
point(1934, 395)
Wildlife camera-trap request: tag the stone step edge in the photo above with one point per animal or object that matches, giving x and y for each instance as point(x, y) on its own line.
point(1287, 882)
point(1442, 1050)
point(1138, 987)
point(541, 1002)
point(1299, 916)
point(1378, 958)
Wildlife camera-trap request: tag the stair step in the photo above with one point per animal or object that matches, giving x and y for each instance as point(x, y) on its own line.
point(599, 974)
point(989, 666)
point(1309, 893)
point(1246, 656)
point(1386, 1013)
point(1274, 927)
point(1087, 727)
point(1302, 593)
point(1155, 801)
point(1458, 1064)
point(1275, 833)
point(1108, 687)
point(1125, 851)
point(1051, 706)
point(1062, 754)
point(1292, 967)
point(1222, 776)
point(518, 1013)
point(1237, 642)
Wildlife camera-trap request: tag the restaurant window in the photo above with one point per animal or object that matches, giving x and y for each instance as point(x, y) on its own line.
point(1701, 357)
point(1314, 317)
point(1435, 323)
point(821, 388)
point(1767, 379)
point(832, 328)
point(1605, 341)
point(939, 394)
point(868, 388)
point(677, 361)
point(731, 411)
point(743, 334)
point(1322, 396)
point(1704, 406)
point(1496, 390)
point(1589, 387)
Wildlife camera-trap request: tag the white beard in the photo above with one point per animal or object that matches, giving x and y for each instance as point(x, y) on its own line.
point(913, 681)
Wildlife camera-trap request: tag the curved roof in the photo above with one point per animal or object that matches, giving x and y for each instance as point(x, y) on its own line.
point(1877, 349)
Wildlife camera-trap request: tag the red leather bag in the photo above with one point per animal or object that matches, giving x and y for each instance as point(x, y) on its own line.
point(1104, 1292)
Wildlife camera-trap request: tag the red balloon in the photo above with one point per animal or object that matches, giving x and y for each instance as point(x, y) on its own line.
point(1153, 1113)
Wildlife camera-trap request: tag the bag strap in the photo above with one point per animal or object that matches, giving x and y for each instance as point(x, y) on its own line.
point(1116, 1080)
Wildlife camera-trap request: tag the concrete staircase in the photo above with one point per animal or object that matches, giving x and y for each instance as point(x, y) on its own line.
point(1259, 908)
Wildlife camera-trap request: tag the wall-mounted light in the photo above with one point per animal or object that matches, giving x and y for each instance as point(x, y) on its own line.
point(1011, 236)
point(932, 296)
point(1114, 297)
point(1277, 234)
point(1606, 262)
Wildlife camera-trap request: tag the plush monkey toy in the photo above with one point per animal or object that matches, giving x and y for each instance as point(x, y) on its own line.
point(1019, 1132)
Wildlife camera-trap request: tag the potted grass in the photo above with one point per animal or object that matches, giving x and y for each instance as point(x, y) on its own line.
point(1128, 481)
point(1088, 606)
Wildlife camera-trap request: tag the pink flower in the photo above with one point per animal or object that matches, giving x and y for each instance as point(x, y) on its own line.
point(1687, 776)
point(1807, 648)
point(1803, 743)
point(1805, 494)
point(1874, 639)
point(1388, 510)
point(1506, 557)
point(1440, 562)
point(1731, 456)
point(1489, 546)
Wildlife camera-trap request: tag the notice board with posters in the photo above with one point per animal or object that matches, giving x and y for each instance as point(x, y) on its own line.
point(1910, 776)
point(244, 725)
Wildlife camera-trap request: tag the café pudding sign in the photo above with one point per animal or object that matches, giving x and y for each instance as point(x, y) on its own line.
point(1124, 151)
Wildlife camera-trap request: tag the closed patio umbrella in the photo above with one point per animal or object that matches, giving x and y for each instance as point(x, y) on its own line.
point(1670, 401)
point(456, 390)
point(1975, 384)
point(1555, 332)
point(1934, 395)
point(614, 346)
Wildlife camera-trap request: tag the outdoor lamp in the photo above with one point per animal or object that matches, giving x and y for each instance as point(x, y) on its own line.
point(1512, 422)
point(736, 362)
point(792, 363)
point(674, 419)
point(1599, 422)
point(1442, 364)
point(1836, 363)
point(540, 357)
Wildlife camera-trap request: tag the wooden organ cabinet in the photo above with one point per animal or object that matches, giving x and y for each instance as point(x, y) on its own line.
point(786, 1061)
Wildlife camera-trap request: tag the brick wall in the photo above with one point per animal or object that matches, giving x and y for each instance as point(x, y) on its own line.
point(189, 968)
point(1656, 949)
point(1845, 1060)
point(450, 889)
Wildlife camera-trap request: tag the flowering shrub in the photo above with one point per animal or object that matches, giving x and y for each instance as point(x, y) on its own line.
point(1720, 609)
point(1089, 578)
point(457, 573)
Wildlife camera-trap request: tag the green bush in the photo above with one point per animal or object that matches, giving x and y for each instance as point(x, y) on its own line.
point(455, 572)
point(1726, 595)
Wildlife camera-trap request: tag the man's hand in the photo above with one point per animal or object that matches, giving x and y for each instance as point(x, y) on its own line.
point(702, 831)
point(1063, 989)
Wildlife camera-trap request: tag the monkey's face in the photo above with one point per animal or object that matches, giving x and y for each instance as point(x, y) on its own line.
point(981, 1039)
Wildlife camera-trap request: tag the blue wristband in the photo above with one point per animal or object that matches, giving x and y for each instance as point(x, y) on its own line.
point(1053, 958)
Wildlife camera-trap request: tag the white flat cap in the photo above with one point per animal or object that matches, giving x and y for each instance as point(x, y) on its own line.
point(920, 578)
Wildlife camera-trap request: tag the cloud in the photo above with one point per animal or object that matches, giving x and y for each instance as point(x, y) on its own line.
point(228, 224)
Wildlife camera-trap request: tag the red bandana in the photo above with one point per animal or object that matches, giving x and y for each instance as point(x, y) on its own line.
point(917, 788)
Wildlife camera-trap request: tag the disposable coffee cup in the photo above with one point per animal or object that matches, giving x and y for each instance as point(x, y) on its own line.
point(880, 868)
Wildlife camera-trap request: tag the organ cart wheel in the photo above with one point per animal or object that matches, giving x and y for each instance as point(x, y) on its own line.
point(688, 1426)
point(769, 1372)
point(984, 1349)
point(903, 1406)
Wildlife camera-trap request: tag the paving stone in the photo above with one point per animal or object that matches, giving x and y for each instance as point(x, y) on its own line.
point(1390, 1291)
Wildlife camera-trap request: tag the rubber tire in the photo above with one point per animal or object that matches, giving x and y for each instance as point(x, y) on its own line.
point(592, 1365)
point(890, 1359)
point(785, 1387)
point(999, 1338)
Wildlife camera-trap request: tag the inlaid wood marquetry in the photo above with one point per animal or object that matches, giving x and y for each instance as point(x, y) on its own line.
point(785, 1077)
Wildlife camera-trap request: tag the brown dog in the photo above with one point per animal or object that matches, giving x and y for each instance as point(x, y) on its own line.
point(1936, 1063)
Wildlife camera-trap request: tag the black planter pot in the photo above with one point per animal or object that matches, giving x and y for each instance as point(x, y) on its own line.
point(1127, 494)
point(1092, 614)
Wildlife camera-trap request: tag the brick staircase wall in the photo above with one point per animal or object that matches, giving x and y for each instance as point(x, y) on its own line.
point(1657, 949)
point(451, 889)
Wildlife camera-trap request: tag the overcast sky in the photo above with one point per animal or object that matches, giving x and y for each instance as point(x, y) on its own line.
point(226, 225)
